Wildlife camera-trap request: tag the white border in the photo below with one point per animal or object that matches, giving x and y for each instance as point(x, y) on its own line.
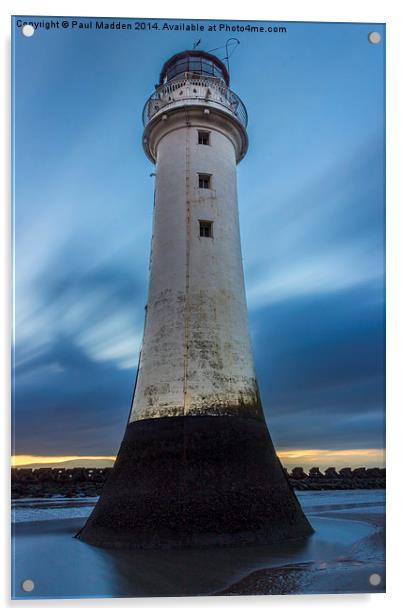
point(384, 11)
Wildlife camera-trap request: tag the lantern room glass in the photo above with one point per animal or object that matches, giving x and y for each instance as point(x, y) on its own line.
point(193, 64)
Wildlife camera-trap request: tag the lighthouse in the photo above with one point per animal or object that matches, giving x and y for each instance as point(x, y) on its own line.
point(196, 466)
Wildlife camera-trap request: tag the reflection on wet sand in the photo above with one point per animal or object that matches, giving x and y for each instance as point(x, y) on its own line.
point(347, 547)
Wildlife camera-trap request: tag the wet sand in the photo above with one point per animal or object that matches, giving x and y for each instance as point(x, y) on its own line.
point(347, 547)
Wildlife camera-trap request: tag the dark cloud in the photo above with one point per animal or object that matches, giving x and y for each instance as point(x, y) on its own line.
point(320, 362)
point(69, 397)
point(66, 403)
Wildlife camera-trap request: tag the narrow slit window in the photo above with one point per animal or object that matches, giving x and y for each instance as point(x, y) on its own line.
point(204, 180)
point(203, 138)
point(205, 228)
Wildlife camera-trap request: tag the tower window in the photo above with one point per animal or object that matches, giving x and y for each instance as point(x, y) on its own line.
point(203, 137)
point(204, 180)
point(205, 228)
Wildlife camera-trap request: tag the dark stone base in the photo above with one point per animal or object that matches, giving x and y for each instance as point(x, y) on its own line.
point(196, 481)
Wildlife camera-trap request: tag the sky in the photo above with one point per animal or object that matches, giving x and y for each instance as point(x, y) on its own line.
point(312, 213)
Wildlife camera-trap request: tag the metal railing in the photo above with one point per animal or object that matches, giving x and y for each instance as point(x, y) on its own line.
point(213, 90)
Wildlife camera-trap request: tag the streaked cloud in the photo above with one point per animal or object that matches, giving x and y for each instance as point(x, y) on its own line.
point(343, 267)
point(311, 198)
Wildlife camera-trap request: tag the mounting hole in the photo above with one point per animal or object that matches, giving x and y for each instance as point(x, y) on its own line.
point(28, 30)
point(375, 579)
point(374, 37)
point(27, 585)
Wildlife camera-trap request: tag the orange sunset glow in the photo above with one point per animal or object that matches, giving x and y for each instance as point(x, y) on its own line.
point(289, 458)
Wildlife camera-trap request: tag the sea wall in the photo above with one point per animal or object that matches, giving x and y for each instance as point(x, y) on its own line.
point(47, 482)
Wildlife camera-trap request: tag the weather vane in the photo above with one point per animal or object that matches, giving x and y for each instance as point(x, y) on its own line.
point(229, 52)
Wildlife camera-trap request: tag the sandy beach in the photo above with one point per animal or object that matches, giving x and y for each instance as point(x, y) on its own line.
point(347, 548)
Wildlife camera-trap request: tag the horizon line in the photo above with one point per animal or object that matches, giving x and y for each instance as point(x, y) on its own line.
point(296, 457)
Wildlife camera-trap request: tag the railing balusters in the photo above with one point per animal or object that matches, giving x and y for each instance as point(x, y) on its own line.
point(230, 100)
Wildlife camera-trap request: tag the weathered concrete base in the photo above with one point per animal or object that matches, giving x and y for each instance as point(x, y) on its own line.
point(196, 481)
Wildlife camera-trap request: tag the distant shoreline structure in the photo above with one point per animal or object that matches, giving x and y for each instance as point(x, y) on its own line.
point(75, 482)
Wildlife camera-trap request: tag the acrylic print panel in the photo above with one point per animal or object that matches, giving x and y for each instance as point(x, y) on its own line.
point(245, 404)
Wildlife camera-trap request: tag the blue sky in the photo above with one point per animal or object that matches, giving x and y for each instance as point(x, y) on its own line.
point(311, 200)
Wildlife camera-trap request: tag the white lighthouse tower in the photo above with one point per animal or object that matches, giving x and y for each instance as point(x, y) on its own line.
point(197, 465)
point(196, 357)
